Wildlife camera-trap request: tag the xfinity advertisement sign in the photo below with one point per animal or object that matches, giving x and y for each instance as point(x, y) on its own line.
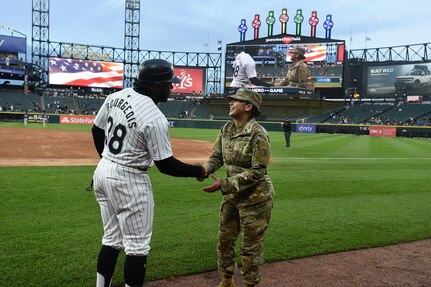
point(387, 80)
point(305, 128)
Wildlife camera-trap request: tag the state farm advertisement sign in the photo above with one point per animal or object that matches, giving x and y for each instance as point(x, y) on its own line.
point(192, 80)
point(381, 131)
point(76, 120)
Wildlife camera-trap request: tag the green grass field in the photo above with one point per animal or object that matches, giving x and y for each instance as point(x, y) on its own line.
point(333, 193)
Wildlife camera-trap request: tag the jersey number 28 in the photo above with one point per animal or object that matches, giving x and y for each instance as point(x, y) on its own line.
point(235, 71)
point(117, 136)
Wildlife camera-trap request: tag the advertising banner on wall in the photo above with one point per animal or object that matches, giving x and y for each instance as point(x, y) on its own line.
point(12, 44)
point(76, 120)
point(382, 131)
point(305, 128)
point(192, 80)
point(386, 80)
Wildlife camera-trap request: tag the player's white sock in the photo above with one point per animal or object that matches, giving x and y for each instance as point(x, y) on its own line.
point(101, 281)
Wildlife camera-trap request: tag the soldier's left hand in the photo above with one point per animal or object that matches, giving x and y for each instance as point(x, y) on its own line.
point(215, 186)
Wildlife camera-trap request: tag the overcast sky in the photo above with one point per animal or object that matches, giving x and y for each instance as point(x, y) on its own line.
point(196, 26)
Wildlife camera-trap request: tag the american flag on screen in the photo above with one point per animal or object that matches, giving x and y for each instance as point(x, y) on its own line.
point(312, 54)
point(75, 72)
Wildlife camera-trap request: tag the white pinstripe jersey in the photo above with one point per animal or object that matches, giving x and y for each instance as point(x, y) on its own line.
point(136, 131)
point(244, 68)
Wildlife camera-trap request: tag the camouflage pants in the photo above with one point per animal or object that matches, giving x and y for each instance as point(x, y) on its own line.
point(252, 222)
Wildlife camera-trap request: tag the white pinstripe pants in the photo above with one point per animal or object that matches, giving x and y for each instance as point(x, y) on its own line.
point(125, 196)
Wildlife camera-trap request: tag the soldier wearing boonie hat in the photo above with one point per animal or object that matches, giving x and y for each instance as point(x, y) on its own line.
point(300, 51)
point(248, 96)
point(298, 73)
point(243, 147)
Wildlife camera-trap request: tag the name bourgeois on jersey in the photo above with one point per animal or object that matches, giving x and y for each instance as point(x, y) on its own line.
point(125, 107)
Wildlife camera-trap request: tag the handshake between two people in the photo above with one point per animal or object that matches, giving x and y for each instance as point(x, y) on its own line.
point(216, 185)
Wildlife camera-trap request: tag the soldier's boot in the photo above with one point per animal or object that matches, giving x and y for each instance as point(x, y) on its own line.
point(226, 282)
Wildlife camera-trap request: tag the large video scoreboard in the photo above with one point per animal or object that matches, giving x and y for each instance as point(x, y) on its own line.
point(324, 57)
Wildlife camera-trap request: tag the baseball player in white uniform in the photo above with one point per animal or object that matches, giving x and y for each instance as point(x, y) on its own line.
point(44, 119)
point(26, 119)
point(130, 134)
point(244, 72)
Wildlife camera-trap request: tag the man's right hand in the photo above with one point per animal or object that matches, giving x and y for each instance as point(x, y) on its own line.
point(205, 173)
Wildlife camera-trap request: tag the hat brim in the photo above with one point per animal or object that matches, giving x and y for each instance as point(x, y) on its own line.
point(174, 80)
point(239, 98)
point(236, 98)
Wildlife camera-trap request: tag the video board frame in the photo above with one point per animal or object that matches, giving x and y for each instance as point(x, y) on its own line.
point(388, 80)
point(325, 58)
point(85, 73)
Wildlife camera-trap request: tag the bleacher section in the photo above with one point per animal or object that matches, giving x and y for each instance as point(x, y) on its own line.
point(404, 113)
point(323, 117)
point(60, 105)
point(89, 106)
point(17, 101)
point(359, 113)
point(200, 112)
point(183, 109)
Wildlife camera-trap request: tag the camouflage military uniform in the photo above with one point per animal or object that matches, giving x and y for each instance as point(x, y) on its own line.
point(297, 75)
point(247, 196)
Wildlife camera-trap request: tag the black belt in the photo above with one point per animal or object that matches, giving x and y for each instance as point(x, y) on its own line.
point(142, 168)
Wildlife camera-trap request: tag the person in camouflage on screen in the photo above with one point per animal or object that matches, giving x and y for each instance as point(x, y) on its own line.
point(298, 72)
point(243, 147)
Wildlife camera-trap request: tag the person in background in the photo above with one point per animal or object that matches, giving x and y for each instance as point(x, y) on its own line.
point(243, 147)
point(287, 128)
point(26, 119)
point(298, 72)
point(44, 119)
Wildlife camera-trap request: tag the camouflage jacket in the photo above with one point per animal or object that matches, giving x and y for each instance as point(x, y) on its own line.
point(297, 75)
point(245, 154)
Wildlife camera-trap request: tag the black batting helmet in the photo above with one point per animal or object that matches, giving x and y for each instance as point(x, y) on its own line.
point(156, 70)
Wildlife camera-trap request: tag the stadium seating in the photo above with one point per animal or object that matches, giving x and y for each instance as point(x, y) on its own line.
point(359, 113)
point(406, 112)
point(183, 109)
point(60, 105)
point(323, 117)
point(89, 106)
point(18, 101)
point(200, 112)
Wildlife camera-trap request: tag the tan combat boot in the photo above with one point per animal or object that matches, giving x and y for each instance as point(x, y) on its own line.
point(227, 282)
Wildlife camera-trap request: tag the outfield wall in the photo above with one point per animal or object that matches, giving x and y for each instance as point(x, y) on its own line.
point(399, 131)
point(278, 106)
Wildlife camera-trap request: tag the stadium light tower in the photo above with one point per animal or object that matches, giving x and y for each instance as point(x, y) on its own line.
point(131, 41)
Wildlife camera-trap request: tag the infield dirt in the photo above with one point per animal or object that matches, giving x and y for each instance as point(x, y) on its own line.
point(47, 147)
